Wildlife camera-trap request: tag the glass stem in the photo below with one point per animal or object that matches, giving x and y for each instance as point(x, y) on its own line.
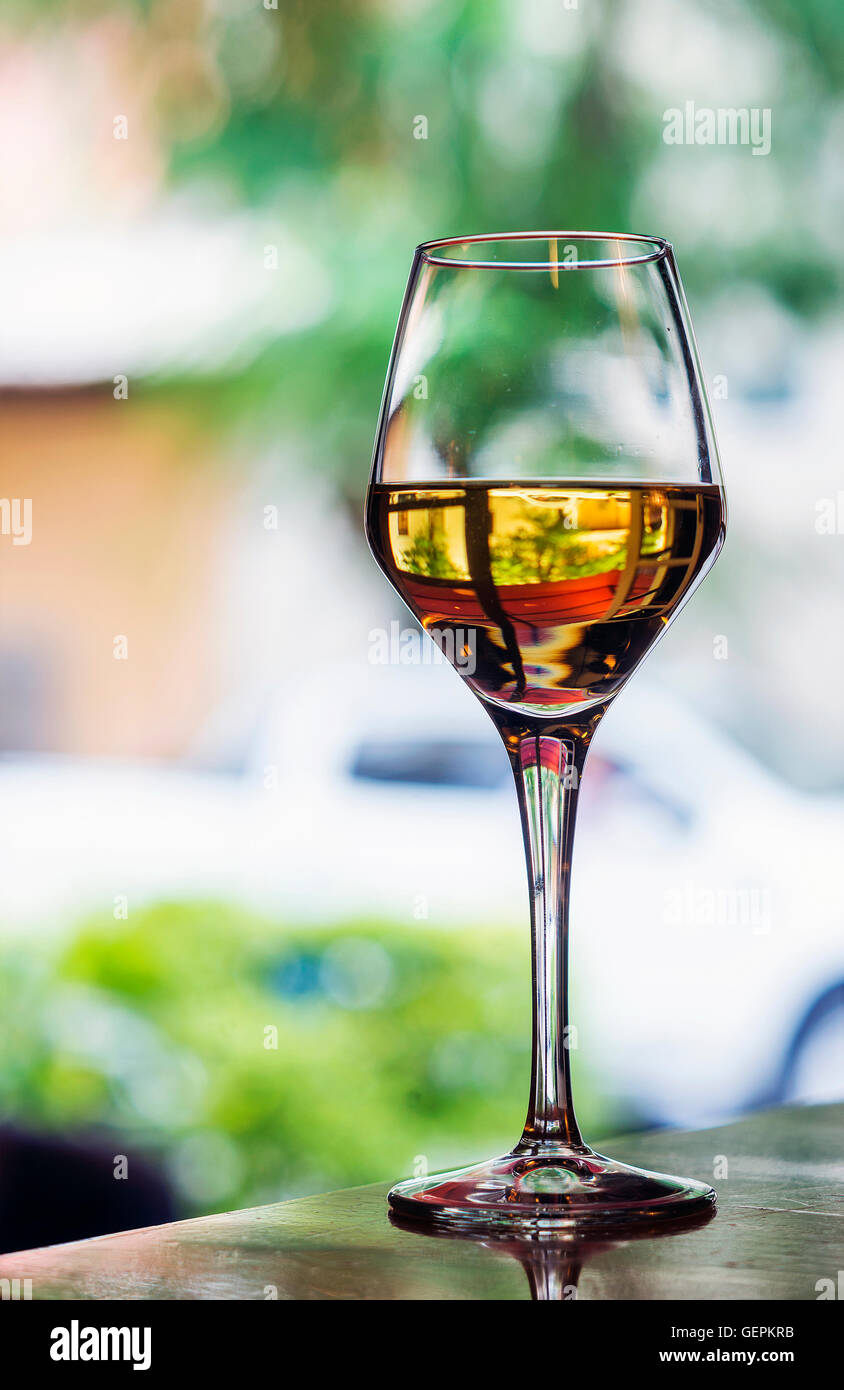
point(547, 769)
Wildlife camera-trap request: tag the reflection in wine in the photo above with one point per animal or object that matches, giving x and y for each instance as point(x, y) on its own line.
point(560, 590)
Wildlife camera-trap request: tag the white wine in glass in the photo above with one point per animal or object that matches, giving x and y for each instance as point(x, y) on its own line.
point(546, 487)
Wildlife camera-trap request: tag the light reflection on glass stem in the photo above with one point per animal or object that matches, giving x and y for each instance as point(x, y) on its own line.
point(548, 771)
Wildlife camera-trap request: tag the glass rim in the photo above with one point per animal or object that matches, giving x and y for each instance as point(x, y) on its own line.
point(660, 249)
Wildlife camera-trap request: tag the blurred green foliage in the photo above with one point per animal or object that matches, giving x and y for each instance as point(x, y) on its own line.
point(389, 1044)
point(327, 140)
point(536, 115)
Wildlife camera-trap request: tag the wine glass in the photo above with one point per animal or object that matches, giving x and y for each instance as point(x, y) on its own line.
point(545, 496)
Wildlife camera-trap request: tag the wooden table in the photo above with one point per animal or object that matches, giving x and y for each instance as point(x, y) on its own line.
point(779, 1230)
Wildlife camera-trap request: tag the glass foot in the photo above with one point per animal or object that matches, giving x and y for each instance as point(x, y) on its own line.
point(561, 1189)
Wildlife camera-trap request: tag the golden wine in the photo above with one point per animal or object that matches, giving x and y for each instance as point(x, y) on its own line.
point(551, 594)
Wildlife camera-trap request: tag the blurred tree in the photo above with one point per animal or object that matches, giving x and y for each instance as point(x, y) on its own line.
point(360, 129)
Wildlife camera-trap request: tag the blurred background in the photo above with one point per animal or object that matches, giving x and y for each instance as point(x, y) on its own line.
point(263, 922)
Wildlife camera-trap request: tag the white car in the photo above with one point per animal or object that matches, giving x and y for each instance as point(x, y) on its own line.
point(707, 942)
